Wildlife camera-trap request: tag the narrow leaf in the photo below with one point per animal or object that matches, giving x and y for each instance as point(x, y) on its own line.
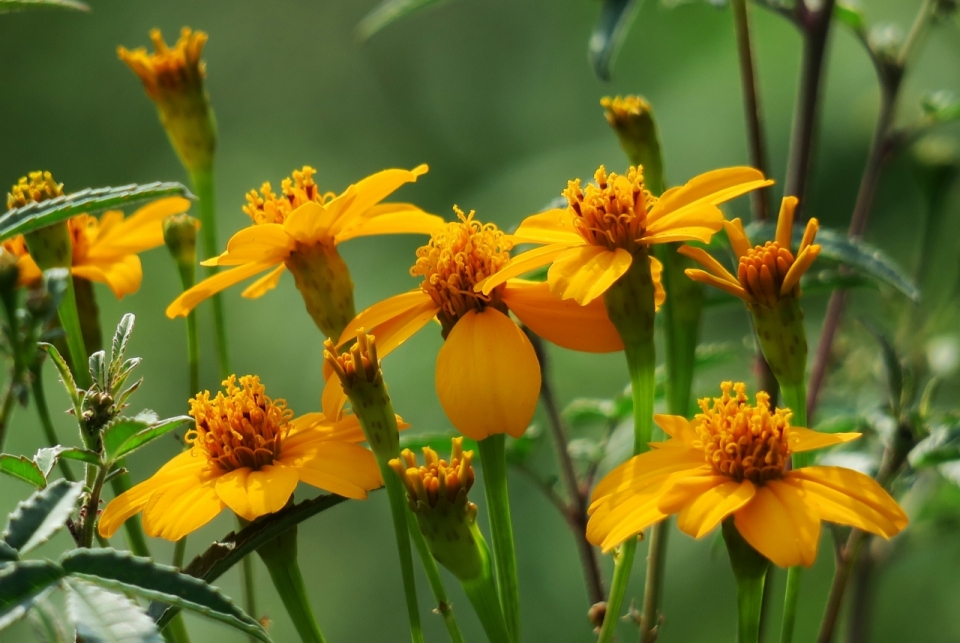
point(150, 433)
point(612, 26)
point(9, 6)
point(850, 15)
point(129, 574)
point(387, 12)
point(34, 216)
point(119, 346)
point(891, 363)
point(23, 468)
point(46, 625)
point(105, 617)
point(66, 377)
point(23, 583)
point(38, 517)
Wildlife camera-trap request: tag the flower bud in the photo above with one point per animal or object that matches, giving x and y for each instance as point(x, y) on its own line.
point(180, 235)
point(631, 117)
point(50, 247)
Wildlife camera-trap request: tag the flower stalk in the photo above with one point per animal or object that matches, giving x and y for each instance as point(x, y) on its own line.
point(280, 557)
point(750, 570)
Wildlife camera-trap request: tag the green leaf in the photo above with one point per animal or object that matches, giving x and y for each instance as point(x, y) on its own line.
point(583, 412)
point(892, 365)
point(47, 458)
point(854, 253)
point(612, 26)
point(9, 6)
point(46, 624)
point(121, 338)
point(7, 553)
point(130, 574)
point(941, 106)
point(22, 468)
point(850, 15)
point(34, 216)
point(41, 515)
point(387, 12)
point(66, 377)
point(105, 617)
point(23, 583)
point(125, 435)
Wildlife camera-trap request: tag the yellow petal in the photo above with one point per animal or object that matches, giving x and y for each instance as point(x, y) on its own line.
point(700, 517)
point(779, 525)
point(738, 237)
point(858, 486)
point(268, 242)
point(704, 258)
point(264, 284)
point(702, 216)
point(784, 234)
point(374, 189)
point(803, 262)
point(251, 494)
point(348, 429)
point(715, 187)
point(552, 226)
point(340, 467)
point(123, 277)
point(703, 234)
point(615, 522)
point(522, 264)
point(809, 234)
point(838, 507)
point(333, 399)
point(309, 223)
point(418, 222)
point(586, 272)
point(730, 287)
point(677, 426)
point(802, 439)
point(178, 510)
point(29, 271)
point(390, 320)
point(488, 376)
point(210, 286)
point(565, 323)
point(637, 473)
point(140, 231)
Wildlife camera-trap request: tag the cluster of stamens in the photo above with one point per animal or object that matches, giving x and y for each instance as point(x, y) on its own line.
point(762, 270)
point(243, 428)
point(743, 441)
point(612, 213)
point(266, 206)
point(360, 362)
point(170, 69)
point(436, 479)
point(458, 257)
point(621, 110)
point(33, 188)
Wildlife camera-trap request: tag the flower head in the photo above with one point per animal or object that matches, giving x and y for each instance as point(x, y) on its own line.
point(607, 224)
point(36, 187)
point(247, 452)
point(731, 460)
point(765, 274)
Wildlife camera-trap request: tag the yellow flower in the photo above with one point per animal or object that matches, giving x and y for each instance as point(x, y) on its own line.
point(248, 453)
point(765, 274)
point(731, 460)
point(487, 377)
point(104, 250)
point(592, 242)
point(293, 228)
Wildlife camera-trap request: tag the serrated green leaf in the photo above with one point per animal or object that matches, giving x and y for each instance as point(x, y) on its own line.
point(66, 377)
point(23, 583)
point(387, 12)
point(23, 468)
point(125, 435)
point(41, 515)
point(612, 26)
point(121, 337)
point(130, 574)
point(34, 216)
point(7, 553)
point(862, 256)
point(105, 617)
point(850, 15)
point(9, 6)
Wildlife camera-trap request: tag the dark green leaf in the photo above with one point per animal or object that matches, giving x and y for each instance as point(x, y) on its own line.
point(65, 376)
point(129, 574)
point(125, 435)
point(608, 35)
point(7, 553)
point(23, 583)
point(23, 468)
point(34, 216)
point(105, 617)
point(850, 15)
point(38, 517)
point(9, 6)
point(387, 12)
point(582, 412)
point(892, 365)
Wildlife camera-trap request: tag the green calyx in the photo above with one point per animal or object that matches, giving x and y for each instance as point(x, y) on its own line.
point(190, 125)
point(782, 339)
point(324, 282)
point(51, 247)
point(450, 529)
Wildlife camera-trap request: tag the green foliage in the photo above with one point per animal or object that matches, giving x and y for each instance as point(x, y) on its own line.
point(612, 26)
point(852, 16)
point(21, 584)
point(41, 515)
point(892, 367)
point(126, 435)
point(941, 106)
point(104, 617)
point(9, 6)
point(23, 468)
point(387, 12)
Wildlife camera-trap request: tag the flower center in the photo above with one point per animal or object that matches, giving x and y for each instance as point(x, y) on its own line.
point(266, 206)
point(459, 256)
point(436, 479)
point(243, 428)
point(612, 213)
point(742, 441)
point(168, 68)
point(34, 188)
point(762, 270)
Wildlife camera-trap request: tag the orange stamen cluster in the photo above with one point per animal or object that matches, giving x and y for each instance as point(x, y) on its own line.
point(437, 479)
point(743, 441)
point(168, 69)
point(33, 188)
point(612, 213)
point(762, 271)
point(360, 360)
point(243, 428)
point(457, 258)
point(266, 206)
point(620, 110)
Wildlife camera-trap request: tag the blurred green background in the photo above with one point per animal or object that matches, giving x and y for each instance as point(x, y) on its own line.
point(498, 98)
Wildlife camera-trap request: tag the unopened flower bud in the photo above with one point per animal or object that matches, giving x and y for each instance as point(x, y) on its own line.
point(631, 117)
point(50, 247)
point(180, 235)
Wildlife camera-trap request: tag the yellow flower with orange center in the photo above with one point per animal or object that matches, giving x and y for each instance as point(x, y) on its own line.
point(300, 229)
point(593, 241)
point(487, 377)
point(765, 274)
point(247, 452)
point(104, 250)
point(731, 460)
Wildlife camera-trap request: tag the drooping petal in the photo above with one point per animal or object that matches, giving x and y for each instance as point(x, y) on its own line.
point(563, 322)
point(488, 376)
point(178, 510)
point(838, 507)
point(586, 272)
point(251, 494)
point(373, 319)
point(140, 231)
point(340, 467)
point(123, 276)
point(522, 264)
point(268, 242)
point(210, 286)
point(857, 486)
point(264, 284)
point(552, 226)
point(418, 222)
point(715, 187)
point(780, 526)
point(700, 517)
point(802, 439)
point(619, 518)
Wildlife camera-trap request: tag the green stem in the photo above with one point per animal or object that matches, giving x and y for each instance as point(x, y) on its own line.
point(795, 398)
point(444, 608)
point(205, 187)
point(9, 399)
point(176, 631)
point(280, 557)
point(248, 581)
point(398, 509)
point(49, 431)
point(70, 321)
point(179, 551)
point(791, 594)
point(653, 588)
point(92, 506)
point(622, 564)
point(750, 570)
point(494, 462)
point(132, 527)
point(482, 593)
